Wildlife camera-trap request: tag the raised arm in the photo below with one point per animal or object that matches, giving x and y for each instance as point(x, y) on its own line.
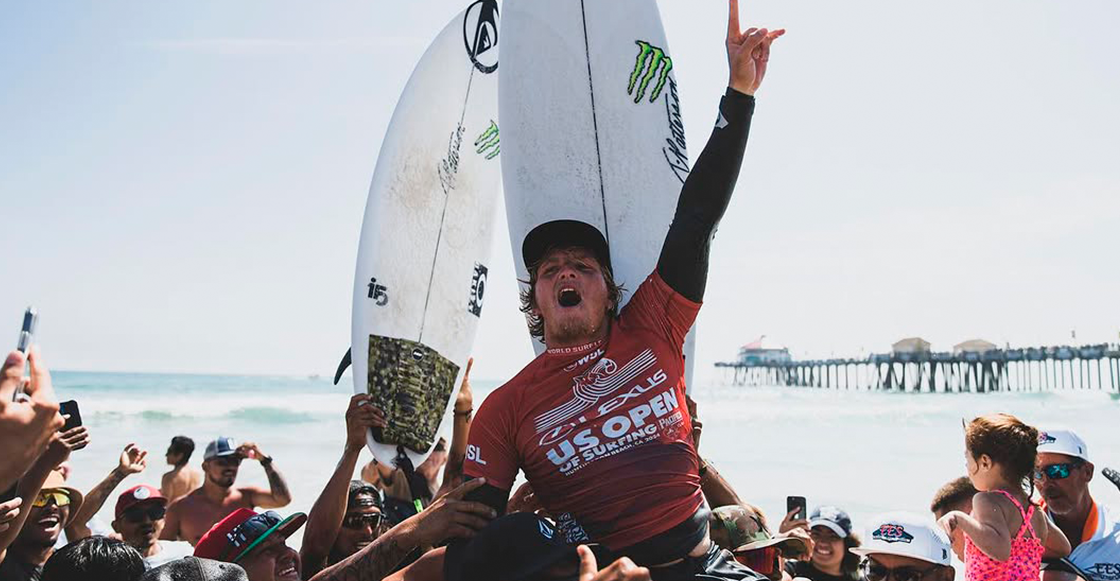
point(325, 519)
point(133, 460)
point(683, 264)
point(26, 422)
point(460, 432)
point(450, 516)
point(278, 495)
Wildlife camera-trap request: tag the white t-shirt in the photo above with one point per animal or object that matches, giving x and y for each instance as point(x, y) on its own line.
point(169, 551)
point(1099, 555)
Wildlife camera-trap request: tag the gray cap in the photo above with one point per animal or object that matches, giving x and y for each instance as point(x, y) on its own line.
point(223, 446)
point(195, 569)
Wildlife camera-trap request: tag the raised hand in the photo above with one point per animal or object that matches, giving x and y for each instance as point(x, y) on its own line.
point(251, 451)
point(789, 523)
point(9, 511)
point(464, 401)
point(133, 460)
point(747, 52)
point(63, 443)
point(621, 570)
point(452, 517)
point(361, 415)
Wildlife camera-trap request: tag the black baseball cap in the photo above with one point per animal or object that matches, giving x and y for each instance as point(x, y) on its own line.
point(564, 234)
point(515, 547)
point(363, 488)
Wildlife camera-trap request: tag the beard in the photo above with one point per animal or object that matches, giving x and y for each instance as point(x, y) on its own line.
point(573, 329)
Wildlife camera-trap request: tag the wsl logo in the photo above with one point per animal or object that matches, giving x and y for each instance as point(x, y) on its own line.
point(489, 143)
point(652, 63)
point(1044, 438)
point(889, 533)
point(480, 35)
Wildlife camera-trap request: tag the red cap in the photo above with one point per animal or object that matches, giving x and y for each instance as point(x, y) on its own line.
point(137, 494)
point(228, 540)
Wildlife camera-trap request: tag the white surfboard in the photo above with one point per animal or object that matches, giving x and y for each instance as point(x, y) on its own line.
point(591, 128)
point(423, 259)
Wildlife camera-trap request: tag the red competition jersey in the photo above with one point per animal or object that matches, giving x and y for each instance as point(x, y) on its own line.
point(601, 431)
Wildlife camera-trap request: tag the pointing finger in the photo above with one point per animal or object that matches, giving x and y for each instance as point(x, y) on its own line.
point(733, 29)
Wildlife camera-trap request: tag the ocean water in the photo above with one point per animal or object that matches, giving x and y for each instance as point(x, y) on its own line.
point(866, 452)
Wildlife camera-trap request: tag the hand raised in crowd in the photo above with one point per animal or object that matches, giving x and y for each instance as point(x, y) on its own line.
point(789, 523)
point(361, 415)
point(452, 517)
point(28, 422)
point(9, 511)
point(63, 443)
point(464, 401)
point(251, 451)
point(133, 460)
point(621, 570)
point(747, 52)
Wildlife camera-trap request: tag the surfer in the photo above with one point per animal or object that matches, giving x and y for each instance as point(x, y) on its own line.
point(191, 516)
point(597, 422)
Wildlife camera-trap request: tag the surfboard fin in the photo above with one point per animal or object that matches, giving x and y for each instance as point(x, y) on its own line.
point(1112, 476)
point(342, 366)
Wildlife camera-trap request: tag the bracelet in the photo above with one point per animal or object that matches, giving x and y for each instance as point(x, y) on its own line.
point(703, 470)
point(266, 461)
point(466, 413)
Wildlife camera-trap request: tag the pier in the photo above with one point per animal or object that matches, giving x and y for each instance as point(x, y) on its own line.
point(1089, 367)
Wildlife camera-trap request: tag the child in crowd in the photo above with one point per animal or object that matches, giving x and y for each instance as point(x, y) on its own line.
point(1003, 541)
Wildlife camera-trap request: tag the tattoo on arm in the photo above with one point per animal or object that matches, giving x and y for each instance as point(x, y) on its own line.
point(276, 484)
point(370, 564)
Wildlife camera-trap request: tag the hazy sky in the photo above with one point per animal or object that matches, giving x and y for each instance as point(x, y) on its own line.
point(183, 183)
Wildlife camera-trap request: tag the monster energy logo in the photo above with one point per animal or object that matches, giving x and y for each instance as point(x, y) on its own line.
point(488, 144)
point(651, 59)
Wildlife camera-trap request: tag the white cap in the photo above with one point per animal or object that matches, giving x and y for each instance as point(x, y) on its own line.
point(907, 535)
point(1062, 442)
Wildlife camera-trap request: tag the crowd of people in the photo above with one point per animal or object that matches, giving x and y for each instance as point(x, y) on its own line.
point(601, 429)
point(1022, 512)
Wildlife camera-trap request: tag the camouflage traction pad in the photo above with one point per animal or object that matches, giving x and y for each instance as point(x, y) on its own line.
point(412, 384)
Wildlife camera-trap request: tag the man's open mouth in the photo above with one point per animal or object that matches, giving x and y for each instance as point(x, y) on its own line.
point(569, 297)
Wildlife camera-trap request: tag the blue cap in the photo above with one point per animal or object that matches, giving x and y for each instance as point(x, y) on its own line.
point(221, 447)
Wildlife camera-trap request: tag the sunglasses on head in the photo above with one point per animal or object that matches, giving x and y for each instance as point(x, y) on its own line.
point(137, 514)
point(1056, 471)
point(763, 561)
point(59, 496)
point(873, 571)
point(357, 521)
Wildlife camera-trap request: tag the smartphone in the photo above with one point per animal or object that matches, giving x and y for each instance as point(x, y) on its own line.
point(30, 317)
point(797, 502)
point(70, 408)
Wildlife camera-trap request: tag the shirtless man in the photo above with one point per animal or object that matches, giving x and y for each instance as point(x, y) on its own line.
point(181, 479)
point(191, 516)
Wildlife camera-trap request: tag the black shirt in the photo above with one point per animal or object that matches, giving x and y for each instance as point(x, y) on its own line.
point(13, 570)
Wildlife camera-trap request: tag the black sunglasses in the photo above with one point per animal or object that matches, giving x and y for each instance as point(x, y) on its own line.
point(1057, 471)
point(228, 461)
point(154, 513)
point(357, 521)
point(873, 571)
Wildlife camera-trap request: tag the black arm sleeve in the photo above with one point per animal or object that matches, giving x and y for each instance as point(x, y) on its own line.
point(683, 264)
